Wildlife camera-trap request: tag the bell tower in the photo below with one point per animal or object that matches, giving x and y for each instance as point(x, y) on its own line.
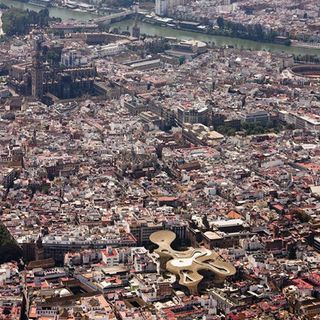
point(37, 66)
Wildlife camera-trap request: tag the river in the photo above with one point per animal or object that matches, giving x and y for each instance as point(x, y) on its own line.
point(154, 30)
point(58, 12)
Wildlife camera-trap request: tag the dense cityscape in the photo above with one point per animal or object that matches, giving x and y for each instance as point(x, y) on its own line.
point(150, 176)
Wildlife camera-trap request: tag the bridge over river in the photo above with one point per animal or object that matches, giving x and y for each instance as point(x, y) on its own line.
point(114, 17)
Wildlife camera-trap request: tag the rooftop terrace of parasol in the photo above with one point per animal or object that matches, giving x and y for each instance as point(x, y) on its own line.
point(187, 264)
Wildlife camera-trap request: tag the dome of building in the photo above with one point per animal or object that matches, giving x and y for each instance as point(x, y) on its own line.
point(64, 293)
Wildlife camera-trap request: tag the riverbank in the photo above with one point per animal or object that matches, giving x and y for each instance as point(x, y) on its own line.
point(219, 41)
point(197, 27)
point(306, 45)
point(205, 29)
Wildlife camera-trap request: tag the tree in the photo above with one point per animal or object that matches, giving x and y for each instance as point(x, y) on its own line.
point(206, 222)
point(182, 60)
point(227, 130)
point(290, 126)
point(259, 32)
point(18, 22)
point(220, 22)
point(43, 17)
point(59, 33)
point(301, 215)
point(292, 251)
point(246, 31)
point(9, 249)
point(3, 6)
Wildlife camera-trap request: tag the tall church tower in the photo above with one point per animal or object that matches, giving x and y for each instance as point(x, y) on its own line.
point(37, 66)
